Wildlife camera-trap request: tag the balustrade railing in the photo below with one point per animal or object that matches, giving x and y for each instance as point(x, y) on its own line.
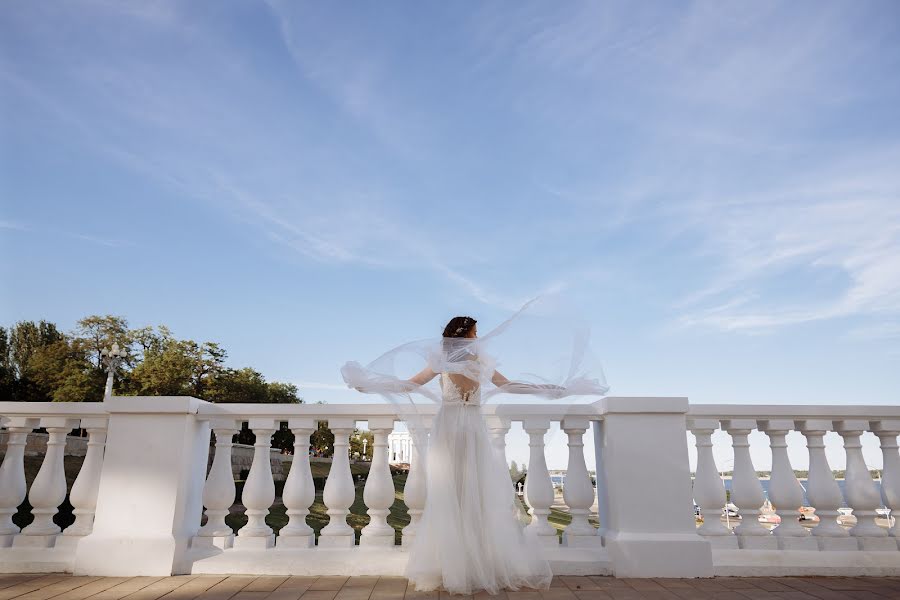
point(823, 495)
point(143, 487)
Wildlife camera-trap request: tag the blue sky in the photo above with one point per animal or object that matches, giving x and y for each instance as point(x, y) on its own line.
point(718, 186)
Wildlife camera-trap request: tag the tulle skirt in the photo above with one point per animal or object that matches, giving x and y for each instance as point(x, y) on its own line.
point(469, 537)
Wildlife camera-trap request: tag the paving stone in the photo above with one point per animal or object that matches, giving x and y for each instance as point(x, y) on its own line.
point(597, 594)
point(328, 583)
point(579, 583)
point(319, 595)
point(265, 584)
point(56, 588)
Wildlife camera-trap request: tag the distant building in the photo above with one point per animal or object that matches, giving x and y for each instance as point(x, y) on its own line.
point(399, 447)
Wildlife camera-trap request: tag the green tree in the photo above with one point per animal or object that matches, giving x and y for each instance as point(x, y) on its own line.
point(166, 371)
point(238, 385)
point(283, 393)
point(7, 374)
point(26, 339)
point(99, 332)
point(62, 373)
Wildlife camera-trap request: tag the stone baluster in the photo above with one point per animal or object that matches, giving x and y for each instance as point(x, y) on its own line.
point(785, 492)
point(822, 490)
point(578, 492)
point(12, 476)
point(84, 491)
point(339, 489)
point(862, 494)
point(887, 432)
point(49, 487)
point(602, 494)
point(709, 491)
point(219, 489)
point(499, 427)
point(538, 487)
point(414, 492)
point(259, 490)
point(379, 493)
point(746, 491)
point(299, 490)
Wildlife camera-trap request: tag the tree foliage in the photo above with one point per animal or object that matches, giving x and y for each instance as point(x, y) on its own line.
point(39, 363)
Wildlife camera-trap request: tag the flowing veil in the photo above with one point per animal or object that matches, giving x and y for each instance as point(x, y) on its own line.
point(542, 350)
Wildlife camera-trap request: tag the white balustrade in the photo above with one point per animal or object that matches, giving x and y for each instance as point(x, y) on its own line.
point(822, 490)
point(259, 490)
point(887, 431)
point(709, 490)
point(12, 476)
point(538, 487)
point(49, 487)
point(299, 490)
point(578, 491)
point(746, 491)
point(379, 493)
point(862, 494)
point(415, 490)
point(219, 490)
point(339, 490)
point(83, 496)
point(146, 488)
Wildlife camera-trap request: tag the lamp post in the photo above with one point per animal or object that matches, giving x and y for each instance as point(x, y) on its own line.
point(365, 443)
point(112, 358)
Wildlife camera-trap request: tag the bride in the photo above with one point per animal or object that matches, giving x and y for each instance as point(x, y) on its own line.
point(469, 537)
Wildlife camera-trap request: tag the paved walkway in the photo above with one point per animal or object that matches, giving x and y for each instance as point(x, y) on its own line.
point(207, 587)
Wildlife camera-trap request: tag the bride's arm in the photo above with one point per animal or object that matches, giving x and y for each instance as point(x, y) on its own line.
point(423, 376)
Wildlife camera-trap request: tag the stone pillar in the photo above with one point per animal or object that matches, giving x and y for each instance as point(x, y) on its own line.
point(644, 455)
point(151, 486)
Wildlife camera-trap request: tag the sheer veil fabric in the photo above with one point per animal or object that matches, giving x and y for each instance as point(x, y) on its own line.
point(469, 537)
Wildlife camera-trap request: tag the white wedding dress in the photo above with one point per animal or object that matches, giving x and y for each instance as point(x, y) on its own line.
point(469, 537)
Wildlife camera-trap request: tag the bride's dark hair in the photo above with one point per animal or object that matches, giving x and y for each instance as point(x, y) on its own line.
point(459, 327)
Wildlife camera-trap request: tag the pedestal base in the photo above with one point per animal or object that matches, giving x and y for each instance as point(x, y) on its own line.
point(797, 543)
point(292, 542)
point(336, 541)
point(659, 555)
point(582, 541)
point(223, 542)
point(34, 541)
point(757, 542)
point(722, 542)
point(255, 543)
point(877, 543)
point(68, 541)
point(837, 544)
point(376, 541)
